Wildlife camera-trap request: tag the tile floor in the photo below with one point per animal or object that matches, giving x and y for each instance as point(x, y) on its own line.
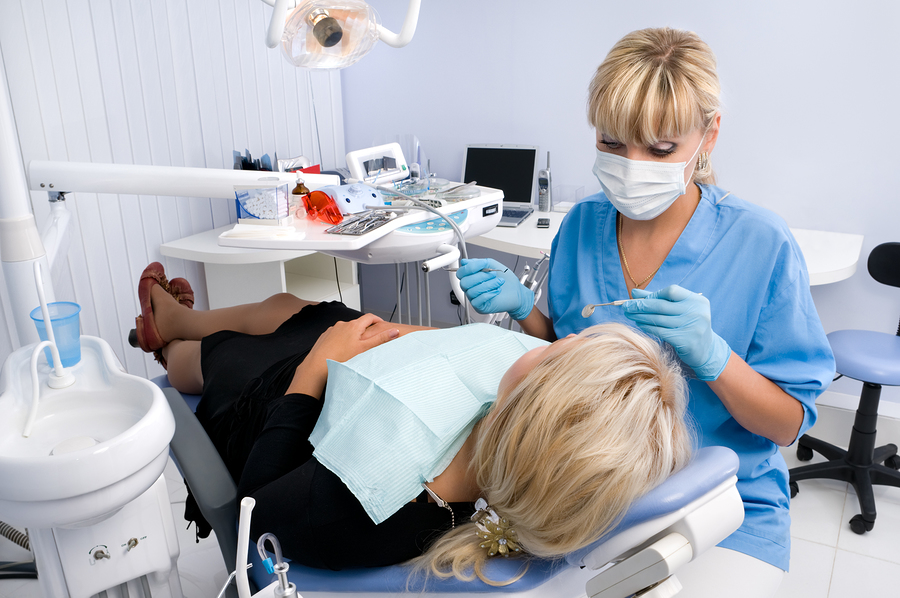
point(827, 559)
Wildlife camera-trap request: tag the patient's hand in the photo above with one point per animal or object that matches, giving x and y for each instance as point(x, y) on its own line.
point(380, 326)
point(339, 343)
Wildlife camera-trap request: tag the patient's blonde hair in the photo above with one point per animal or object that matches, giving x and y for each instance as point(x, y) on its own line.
point(584, 434)
point(656, 84)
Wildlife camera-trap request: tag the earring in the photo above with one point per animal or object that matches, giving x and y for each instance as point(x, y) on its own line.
point(703, 161)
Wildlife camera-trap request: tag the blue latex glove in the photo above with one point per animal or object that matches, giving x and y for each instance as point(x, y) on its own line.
point(494, 292)
point(682, 319)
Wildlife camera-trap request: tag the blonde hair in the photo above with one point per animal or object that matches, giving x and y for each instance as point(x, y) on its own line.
point(656, 84)
point(582, 435)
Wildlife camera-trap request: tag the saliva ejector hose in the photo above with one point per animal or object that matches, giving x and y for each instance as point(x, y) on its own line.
point(282, 588)
point(285, 589)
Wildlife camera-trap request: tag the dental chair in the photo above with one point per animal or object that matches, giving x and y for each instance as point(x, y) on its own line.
point(692, 511)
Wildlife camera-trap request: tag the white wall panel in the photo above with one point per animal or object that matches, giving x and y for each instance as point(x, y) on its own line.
point(132, 252)
point(166, 82)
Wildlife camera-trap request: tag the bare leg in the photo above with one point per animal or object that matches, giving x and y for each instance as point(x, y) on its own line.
point(184, 328)
point(175, 321)
point(184, 371)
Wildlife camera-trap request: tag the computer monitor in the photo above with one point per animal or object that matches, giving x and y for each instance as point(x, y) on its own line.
point(511, 168)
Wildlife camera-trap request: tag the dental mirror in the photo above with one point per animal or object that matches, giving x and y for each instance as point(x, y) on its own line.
point(589, 309)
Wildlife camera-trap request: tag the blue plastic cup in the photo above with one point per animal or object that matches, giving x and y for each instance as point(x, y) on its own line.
point(66, 330)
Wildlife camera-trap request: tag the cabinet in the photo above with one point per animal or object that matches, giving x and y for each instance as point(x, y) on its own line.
point(235, 276)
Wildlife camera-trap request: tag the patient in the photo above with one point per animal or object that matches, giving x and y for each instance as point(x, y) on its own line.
point(568, 436)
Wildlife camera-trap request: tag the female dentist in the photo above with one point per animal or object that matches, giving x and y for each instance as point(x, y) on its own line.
point(720, 280)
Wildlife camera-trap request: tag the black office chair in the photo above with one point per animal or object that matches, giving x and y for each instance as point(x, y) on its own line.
point(873, 358)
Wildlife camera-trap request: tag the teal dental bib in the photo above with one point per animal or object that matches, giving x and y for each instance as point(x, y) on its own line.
point(395, 416)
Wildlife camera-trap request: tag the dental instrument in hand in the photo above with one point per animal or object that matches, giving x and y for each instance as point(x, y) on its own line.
point(482, 270)
point(589, 309)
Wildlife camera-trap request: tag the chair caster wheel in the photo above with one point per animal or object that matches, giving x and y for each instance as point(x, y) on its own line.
point(860, 526)
point(804, 453)
point(794, 489)
point(893, 462)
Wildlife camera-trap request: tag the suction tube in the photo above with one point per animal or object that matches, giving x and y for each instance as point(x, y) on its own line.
point(14, 535)
point(240, 569)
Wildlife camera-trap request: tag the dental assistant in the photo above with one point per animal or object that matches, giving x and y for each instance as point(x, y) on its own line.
point(722, 281)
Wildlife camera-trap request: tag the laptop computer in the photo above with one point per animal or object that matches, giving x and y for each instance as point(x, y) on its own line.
point(512, 169)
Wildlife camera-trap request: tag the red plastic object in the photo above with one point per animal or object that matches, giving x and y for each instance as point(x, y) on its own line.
point(319, 205)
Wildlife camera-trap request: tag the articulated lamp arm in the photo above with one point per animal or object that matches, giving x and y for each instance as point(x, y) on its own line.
point(398, 40)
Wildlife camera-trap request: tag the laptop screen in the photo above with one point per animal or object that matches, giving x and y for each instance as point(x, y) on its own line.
point(510, 168)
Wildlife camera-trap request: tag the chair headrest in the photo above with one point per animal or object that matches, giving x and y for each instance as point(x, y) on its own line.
point(710, 467)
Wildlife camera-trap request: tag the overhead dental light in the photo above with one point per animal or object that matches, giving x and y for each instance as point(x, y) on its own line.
point(332, 34)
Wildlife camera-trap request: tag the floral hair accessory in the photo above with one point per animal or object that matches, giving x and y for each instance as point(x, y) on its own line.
point(496, 533)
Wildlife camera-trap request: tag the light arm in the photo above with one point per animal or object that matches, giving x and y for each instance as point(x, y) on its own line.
point(398, 40)
point(134, 179)
point(276, 25)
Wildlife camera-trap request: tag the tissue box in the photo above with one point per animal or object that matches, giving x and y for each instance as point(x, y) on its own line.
point(263, 204)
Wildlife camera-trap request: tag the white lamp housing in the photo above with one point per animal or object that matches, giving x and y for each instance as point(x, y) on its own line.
point(332, 34)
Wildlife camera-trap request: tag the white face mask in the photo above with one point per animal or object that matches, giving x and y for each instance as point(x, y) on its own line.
point(640, 189)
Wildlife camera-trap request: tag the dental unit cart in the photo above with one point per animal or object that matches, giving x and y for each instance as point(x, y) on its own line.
point(82, 454)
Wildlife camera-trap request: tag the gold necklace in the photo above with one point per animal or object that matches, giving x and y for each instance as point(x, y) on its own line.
point(636, 284)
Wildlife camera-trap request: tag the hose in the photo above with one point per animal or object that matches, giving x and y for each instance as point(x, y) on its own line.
point(14, 535)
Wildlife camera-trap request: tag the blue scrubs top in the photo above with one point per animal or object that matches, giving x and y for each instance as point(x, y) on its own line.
point(744, 259)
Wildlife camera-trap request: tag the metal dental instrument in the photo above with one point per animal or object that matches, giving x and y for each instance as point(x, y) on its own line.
point(589, 309)
point(482, 270)
point(458, 187)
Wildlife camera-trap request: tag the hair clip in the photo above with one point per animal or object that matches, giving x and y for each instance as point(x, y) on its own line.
point(496, 533)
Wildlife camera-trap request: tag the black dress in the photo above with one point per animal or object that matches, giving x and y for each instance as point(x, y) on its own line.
point(262, 435)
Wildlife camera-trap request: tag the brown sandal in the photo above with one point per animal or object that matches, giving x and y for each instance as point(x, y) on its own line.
point(146, 334)
point(181, 289)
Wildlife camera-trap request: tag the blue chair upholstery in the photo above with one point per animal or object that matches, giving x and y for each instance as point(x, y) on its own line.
point(710, 467)
point(873, 358)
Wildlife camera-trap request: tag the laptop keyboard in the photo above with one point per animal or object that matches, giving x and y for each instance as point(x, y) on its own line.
point(515, 212)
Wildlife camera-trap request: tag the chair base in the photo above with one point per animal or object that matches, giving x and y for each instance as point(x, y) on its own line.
point(862, 476)
point(862, 464)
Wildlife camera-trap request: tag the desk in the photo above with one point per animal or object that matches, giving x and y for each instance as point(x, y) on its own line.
point(830, 257)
